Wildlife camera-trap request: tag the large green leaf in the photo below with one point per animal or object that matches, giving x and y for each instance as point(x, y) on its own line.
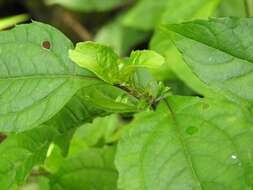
point(164, 11)
point(219, 52)
point(92, 169)
point(188, 143)
point(36, 76)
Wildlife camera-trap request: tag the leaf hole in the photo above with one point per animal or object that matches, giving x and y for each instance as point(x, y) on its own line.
point(46, 45)
point(2, 137)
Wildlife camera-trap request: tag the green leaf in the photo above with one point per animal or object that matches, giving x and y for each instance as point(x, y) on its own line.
point(234, 8)
point(102, 131)
point(188, 143)
point(140, 59)
point(99, 59)
point(90, 169)
point(120, 37)
point(174, 64)
point(97, 133)
point(144, 82)
point(140, 15)
point(87, 104)
point(146, 58)
point(219, 52)
point(110, 99)
point(164, 11)
point(36, 76)
point(88, 5)
point(107, 65)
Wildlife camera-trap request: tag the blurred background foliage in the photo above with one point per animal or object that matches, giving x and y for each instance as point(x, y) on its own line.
point(125, 25)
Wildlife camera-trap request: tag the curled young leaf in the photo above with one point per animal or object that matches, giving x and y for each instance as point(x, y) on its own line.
point(99, 59)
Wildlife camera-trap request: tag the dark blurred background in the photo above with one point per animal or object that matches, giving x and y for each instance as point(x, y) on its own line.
point(78, 25)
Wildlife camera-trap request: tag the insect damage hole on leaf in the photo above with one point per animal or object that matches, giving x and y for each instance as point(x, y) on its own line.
point(2, 137)
point(46, 45)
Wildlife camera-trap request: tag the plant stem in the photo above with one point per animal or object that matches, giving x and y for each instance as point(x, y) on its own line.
point(11, 21)
point(246, 6)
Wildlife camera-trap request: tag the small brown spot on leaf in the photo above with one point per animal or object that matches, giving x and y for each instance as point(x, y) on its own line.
point(46, 44)
point(2, 137)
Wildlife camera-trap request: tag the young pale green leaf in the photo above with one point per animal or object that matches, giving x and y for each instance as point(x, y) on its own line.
point(99, 59)
point(144, 82)
point(188, 143)
point(36, 76)
point(88, 5)
point(219, 52)
point(146, 58)
point(92, 169)
point(107, 65)
point(140, 59)
point(164, 11)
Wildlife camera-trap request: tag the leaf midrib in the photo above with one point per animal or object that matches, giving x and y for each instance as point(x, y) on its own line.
point(185, 151)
